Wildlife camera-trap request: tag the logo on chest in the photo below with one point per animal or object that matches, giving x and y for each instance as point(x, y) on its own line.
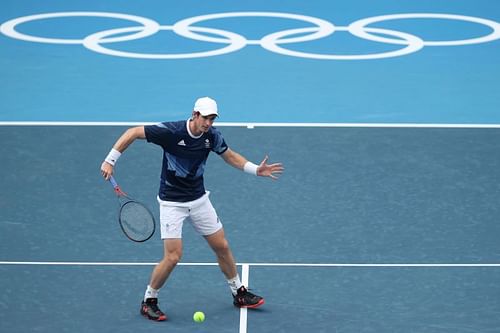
point(207, 143)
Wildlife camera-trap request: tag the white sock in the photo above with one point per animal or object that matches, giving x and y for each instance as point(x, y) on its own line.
point(234, 284)
point(151, 293)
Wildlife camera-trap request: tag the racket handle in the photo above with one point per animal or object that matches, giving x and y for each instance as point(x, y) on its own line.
point(113, 182)
point(117, 188)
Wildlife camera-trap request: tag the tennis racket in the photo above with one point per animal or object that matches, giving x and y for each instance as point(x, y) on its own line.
point(136, 220)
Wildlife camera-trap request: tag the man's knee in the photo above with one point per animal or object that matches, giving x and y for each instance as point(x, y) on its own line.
point(173, 257)
point(172, 251)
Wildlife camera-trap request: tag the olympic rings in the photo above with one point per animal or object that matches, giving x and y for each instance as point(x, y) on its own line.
point(272, 42)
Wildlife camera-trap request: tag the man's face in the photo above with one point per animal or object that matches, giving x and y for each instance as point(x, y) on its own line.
point(203, 123)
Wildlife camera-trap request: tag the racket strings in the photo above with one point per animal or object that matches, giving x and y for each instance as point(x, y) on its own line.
point(136, 221)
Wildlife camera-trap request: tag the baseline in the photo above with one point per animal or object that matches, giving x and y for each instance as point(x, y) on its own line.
point(253, 125)
point(247, 265)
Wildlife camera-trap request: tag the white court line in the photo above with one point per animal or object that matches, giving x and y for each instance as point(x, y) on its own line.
point(253, 125)
point(81, 263)
point(245, 272)
point(374, 265)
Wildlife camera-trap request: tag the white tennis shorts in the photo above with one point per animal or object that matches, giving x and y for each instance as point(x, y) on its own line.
point(199, 212)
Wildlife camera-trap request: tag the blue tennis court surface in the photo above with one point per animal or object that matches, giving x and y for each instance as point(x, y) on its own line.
point(385, 117)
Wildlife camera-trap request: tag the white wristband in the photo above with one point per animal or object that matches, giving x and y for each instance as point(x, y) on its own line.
point(250, 168)
point(113, 156)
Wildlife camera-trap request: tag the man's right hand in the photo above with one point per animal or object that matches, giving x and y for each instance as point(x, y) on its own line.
point(106, 170)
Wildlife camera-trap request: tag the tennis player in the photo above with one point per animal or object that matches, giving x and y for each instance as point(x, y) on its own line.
point(182, 195)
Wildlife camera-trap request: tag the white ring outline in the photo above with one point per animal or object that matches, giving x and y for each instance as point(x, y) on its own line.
point(324, 28)
point(414, 44)
point(149, 28)
point(360, 26)
point(92, 42)
point(269, 42)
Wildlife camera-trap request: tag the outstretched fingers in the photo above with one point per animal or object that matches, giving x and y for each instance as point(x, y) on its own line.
point(270, 170)
point(276, 170)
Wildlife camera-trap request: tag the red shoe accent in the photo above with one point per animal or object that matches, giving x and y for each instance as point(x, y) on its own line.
point(253, 306)
point(160, 318)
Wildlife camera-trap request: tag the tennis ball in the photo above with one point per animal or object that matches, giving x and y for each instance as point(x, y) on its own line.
point(199, 317)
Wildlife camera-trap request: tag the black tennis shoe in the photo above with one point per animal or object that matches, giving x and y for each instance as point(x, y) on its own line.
point(245, 299)
point(150, 310)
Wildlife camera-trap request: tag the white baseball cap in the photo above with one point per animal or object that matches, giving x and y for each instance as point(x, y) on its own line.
point(206, 106)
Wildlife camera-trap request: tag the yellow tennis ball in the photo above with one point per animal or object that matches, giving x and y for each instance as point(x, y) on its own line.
point(199, 317)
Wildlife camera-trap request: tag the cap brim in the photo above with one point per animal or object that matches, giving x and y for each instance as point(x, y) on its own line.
point(207, 113)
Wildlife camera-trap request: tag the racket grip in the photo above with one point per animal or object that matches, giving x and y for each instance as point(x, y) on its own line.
point(113, 182)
